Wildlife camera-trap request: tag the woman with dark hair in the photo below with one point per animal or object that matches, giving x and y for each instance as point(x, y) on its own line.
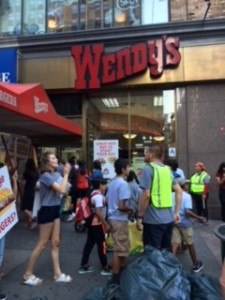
point(30, 176)
point(220, 178)
point(52, 186)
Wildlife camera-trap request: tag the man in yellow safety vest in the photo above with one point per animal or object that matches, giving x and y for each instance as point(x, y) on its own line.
point(155, 213)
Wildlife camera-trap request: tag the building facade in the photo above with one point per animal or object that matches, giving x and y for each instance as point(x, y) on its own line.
point(134, 71)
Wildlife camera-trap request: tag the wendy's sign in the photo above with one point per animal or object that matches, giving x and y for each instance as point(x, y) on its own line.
point(94, 67)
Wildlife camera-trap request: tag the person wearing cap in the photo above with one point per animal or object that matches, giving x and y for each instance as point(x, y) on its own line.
point(96, 230)
point(156, 211)
point(183, 231)
point(199, 189)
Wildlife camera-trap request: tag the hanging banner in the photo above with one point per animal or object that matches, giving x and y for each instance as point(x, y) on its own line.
point(106, 151)
point(8, 65)
point(8, 213)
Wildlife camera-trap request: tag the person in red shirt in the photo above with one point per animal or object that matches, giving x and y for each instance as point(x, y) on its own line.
point(220, 178)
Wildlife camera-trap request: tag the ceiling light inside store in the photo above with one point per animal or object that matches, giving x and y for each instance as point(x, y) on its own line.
point(129, 136)
point(111, 102)
point(159, 138)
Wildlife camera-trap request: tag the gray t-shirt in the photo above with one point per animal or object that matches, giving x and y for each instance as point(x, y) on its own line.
point(118, 190)
point(48, 196)
point(154, 215)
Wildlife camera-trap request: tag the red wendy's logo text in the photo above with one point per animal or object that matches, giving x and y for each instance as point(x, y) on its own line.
point(94, 67)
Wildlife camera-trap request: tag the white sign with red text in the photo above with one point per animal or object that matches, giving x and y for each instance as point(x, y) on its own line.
point(8, 218)
point(106, 151)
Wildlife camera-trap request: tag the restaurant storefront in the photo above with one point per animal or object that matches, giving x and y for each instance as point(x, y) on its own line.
point(137, 86)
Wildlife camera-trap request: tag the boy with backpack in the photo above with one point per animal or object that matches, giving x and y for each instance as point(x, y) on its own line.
point(97, 227)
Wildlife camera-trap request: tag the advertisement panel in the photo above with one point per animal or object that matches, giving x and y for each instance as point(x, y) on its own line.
point(106, 151)
point(8, 213)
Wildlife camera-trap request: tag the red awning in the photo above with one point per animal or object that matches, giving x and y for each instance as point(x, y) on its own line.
point(25, 109)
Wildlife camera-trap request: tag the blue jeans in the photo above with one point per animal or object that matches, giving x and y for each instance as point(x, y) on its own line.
point(158, 235)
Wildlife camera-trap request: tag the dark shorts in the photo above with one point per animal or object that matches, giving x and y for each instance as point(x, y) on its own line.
point(47, 214)
point(158, 235)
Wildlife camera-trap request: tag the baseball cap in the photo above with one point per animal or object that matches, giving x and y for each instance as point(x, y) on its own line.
point(182, 181)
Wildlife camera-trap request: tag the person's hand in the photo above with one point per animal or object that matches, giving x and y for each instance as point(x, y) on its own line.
point(202, 220)
point(15, 176)
point(177, 219)
point(203, 197)
point(139, 224)
point(66, 169)
point(107, 228)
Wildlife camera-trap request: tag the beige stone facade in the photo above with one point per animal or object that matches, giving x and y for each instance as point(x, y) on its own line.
point(182, 10)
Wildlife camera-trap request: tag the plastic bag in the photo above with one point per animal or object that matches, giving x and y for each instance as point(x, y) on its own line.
point(204, 287)
point(135, 238)
point(155, 275)
point(66, 204)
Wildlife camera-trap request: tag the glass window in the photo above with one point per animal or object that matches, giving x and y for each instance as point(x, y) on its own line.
point(94, 14)
point(127, 13)
point(143, 116)
point(10, 17)
point(63, 15)
point(108, 13)
point(34, 16)
point(155, 11)
point(55, 16)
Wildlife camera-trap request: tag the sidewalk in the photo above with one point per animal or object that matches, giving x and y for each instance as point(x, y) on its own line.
point(20, 242)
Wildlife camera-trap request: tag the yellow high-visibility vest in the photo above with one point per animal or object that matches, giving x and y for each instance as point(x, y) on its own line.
point(197, 182)
point(161, 188)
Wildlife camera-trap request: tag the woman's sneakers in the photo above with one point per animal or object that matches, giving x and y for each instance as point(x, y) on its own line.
point(107, 271)
point(86, 269)
point(198, 266)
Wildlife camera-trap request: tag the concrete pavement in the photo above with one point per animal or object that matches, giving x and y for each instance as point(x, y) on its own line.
point(20, 242)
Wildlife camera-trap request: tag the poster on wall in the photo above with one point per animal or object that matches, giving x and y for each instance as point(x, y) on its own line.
point(8, 213)
point(106, 151)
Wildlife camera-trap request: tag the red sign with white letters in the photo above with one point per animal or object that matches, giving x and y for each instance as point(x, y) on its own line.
point(94, 67)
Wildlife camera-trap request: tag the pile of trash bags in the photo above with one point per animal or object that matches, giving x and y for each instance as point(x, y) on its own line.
point(157, 275)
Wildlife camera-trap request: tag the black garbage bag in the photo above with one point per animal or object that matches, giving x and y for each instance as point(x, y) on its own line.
point(97, 293)
point(156, 275)
point(204, 287)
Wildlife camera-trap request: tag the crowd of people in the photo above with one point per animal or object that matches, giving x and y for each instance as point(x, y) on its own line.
point(163, 202)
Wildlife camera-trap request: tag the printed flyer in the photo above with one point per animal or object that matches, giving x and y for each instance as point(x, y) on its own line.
point(106, 151)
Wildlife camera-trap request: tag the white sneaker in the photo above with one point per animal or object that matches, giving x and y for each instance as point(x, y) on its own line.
point(71, 217)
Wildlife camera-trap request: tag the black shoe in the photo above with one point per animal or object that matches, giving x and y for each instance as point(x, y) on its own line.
point(198, 266)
